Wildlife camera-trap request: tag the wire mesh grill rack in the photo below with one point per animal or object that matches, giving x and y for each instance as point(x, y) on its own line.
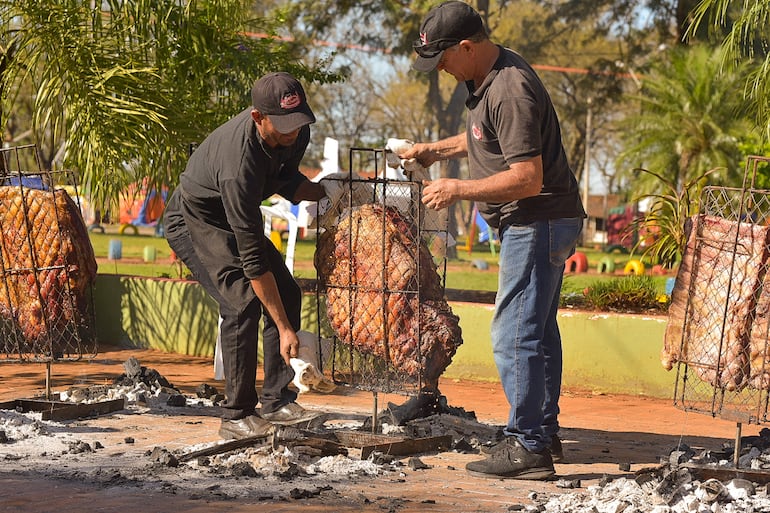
point(381, 265)
point(720, 312)
point(47, 264)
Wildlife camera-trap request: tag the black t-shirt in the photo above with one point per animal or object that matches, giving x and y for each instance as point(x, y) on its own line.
point(511, 119)
point(225, 181)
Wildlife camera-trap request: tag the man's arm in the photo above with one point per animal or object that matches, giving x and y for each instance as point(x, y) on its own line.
point(308, 191)
point(266, 289)
point(426, 154)
point(521, 180)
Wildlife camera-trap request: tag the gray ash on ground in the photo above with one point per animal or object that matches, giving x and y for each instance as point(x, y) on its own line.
point(138, 384)
point(284, 470)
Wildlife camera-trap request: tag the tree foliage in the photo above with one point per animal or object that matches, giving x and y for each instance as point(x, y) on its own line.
point(127, 86)
point(747, 27)
point(690, 121)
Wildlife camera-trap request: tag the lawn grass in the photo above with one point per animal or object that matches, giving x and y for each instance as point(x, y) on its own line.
point(462, 272)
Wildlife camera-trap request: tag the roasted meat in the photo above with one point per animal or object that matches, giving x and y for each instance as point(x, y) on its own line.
point(48, 265)
point(720, 277)
point(384, 294)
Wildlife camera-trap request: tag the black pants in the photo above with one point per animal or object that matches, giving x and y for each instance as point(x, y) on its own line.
point(240, 331)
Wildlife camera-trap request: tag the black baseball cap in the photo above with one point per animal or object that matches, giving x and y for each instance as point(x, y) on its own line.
point(444, 26)
point(281, 97)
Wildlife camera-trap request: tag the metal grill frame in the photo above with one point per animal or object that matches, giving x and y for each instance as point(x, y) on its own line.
point(743, 209)
point(76, 339)
point(348, 366)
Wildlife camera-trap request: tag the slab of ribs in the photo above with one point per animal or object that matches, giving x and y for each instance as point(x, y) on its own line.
point(48, 264)
point(383, 291)
point(720, 305)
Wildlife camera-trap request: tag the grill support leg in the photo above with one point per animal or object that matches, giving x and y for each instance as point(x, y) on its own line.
point(48, 380)
point(374, 411)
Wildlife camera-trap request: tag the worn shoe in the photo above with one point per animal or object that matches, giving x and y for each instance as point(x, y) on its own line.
point(557, 451)
point(247, 427)
point(512, 460)
point(289, 415)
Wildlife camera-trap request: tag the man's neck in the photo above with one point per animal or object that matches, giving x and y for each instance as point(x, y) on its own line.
point(487, 54)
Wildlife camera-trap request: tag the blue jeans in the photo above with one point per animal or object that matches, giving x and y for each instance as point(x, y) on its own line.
point(526, 342)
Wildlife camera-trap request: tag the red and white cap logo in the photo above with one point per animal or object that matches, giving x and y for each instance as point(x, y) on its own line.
point(290, 101)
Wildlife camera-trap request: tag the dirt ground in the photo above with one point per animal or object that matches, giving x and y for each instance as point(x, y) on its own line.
point(603, 436)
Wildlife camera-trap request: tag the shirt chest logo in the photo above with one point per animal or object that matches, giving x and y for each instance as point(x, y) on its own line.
point(476, 132)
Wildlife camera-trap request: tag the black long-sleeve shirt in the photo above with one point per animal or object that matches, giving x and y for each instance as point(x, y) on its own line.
point(227, 178)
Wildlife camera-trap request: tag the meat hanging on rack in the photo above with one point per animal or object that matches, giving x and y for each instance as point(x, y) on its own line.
point(47, 260)
point(384, 294)
point(714, 304)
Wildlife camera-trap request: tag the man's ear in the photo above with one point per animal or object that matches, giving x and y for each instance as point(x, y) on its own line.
point(256, 116)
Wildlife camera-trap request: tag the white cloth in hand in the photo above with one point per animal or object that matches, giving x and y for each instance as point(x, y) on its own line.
point(393, 151)
point(306, 365)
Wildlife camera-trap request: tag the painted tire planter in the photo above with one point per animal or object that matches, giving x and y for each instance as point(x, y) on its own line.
point(577, 263)
point(126, 226)
point(606, 265)
point(634, 267)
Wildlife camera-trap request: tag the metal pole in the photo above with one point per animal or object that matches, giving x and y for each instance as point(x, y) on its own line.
point(48, 380)
point(374, 411)
point(587, 168)
point(737, 452)
point(587, 158)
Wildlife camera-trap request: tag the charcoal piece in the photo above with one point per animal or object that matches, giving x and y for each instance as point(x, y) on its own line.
point(205, 391)
point(176, 400)
point(416, 463)
point(164, 457)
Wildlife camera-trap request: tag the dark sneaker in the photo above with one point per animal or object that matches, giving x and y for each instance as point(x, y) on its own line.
point(247, 427)
point(512, 460)
point(290, 414)
point(557, 452)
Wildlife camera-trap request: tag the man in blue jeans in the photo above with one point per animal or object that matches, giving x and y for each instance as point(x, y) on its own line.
point(524, 188)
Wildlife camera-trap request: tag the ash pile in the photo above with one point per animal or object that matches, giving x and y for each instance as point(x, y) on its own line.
point(139, 384)
point(310, 463)
point(688, 480)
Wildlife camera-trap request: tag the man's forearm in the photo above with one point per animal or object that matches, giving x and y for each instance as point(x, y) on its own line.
point(266, 289)
point(454, 147)
point(309, 191)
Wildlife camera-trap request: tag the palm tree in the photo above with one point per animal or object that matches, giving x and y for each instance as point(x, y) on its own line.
point(126, 86)
point(689, 129)
point(746, 39)
point(691, 120)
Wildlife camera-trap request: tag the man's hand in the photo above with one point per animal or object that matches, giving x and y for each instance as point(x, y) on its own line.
point(421, 153)
point(289, 345)
point(441, 193)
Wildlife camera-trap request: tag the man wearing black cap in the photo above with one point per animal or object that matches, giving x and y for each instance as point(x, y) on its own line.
point(524, 187)
point(214, 224)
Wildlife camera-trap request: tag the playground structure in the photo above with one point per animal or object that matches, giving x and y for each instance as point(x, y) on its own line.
point(141, 205)
point(481, 230)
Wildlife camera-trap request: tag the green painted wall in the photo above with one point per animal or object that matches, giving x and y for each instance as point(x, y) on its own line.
point(602, 353)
